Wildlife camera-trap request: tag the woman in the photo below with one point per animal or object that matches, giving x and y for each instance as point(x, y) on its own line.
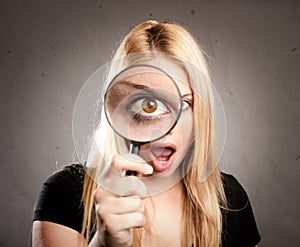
point(205, 208)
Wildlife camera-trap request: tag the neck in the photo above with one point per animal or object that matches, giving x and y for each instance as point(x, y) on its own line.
point(174, 194)
point(165, 212)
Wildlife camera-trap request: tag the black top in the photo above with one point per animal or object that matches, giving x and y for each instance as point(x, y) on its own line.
point(59, 202)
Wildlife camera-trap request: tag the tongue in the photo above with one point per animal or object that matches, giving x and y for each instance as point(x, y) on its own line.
point(162, 153)
point(162, 159)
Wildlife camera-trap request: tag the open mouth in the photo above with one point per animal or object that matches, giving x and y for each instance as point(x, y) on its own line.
point(162, 156)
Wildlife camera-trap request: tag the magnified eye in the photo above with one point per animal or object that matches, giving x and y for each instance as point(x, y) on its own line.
point(149, 107)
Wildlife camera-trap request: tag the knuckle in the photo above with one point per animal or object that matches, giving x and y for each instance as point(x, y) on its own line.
point(96, 194)
point(100, 211)
point(116, 162)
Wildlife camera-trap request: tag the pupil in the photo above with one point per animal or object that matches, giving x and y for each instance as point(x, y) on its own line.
point(149, 105)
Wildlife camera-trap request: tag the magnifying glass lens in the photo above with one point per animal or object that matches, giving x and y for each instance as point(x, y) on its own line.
point(142, 103)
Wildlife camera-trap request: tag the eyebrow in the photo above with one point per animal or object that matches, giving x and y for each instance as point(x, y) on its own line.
point(125, 84)
point(125, 87)
point(131, 84)
point(121, 89)
point(187, 94)
point(148, 89)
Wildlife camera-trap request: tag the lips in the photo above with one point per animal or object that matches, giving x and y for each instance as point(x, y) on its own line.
point(162, 156)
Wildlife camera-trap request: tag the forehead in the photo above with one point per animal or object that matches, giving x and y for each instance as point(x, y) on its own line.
point(158, 73)
point(175, 71)
point(184, 87)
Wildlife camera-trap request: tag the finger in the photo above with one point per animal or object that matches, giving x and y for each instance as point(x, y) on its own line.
point(124, 186)
point(121, 205)
point(100, 194)
point(131, 162)
point(120, 186)
point(116, 223)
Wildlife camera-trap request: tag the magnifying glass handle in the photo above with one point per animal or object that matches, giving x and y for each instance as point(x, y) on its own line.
point(134, 149)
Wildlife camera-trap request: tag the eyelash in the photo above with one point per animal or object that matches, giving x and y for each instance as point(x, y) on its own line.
point(188, 102)
point(138, 117)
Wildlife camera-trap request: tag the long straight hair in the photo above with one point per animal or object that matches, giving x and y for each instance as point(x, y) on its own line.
point(202, 217)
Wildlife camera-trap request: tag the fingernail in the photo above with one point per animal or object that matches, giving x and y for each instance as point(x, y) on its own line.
point(149, 169)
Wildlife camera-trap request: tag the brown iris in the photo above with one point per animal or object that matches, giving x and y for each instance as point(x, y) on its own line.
point(149, 105)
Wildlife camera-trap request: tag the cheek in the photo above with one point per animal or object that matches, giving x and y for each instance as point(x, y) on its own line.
point(187, 124)
point(186, 127)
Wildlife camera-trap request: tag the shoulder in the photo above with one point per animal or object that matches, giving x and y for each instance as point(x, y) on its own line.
point(239, 226)
point(73, 172)
point(236, 195)
point(64, 184)
point(66, 180)
point(60, 197)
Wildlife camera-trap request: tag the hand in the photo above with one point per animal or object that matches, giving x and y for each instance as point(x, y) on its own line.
point(121, 212)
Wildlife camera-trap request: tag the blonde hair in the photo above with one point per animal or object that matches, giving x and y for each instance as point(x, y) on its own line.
point(204, 193)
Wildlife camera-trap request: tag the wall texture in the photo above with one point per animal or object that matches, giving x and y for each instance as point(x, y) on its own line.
point(49, 48)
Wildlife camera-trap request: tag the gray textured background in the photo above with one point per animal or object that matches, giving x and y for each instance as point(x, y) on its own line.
point(49, 48)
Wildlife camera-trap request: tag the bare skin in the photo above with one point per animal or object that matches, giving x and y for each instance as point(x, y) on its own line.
point(49, 234)
point(166, 220)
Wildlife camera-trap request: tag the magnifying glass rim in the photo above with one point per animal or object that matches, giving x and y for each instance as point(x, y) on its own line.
point(154, 67)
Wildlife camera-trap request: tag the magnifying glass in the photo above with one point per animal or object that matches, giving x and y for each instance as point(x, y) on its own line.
point(142, 104)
